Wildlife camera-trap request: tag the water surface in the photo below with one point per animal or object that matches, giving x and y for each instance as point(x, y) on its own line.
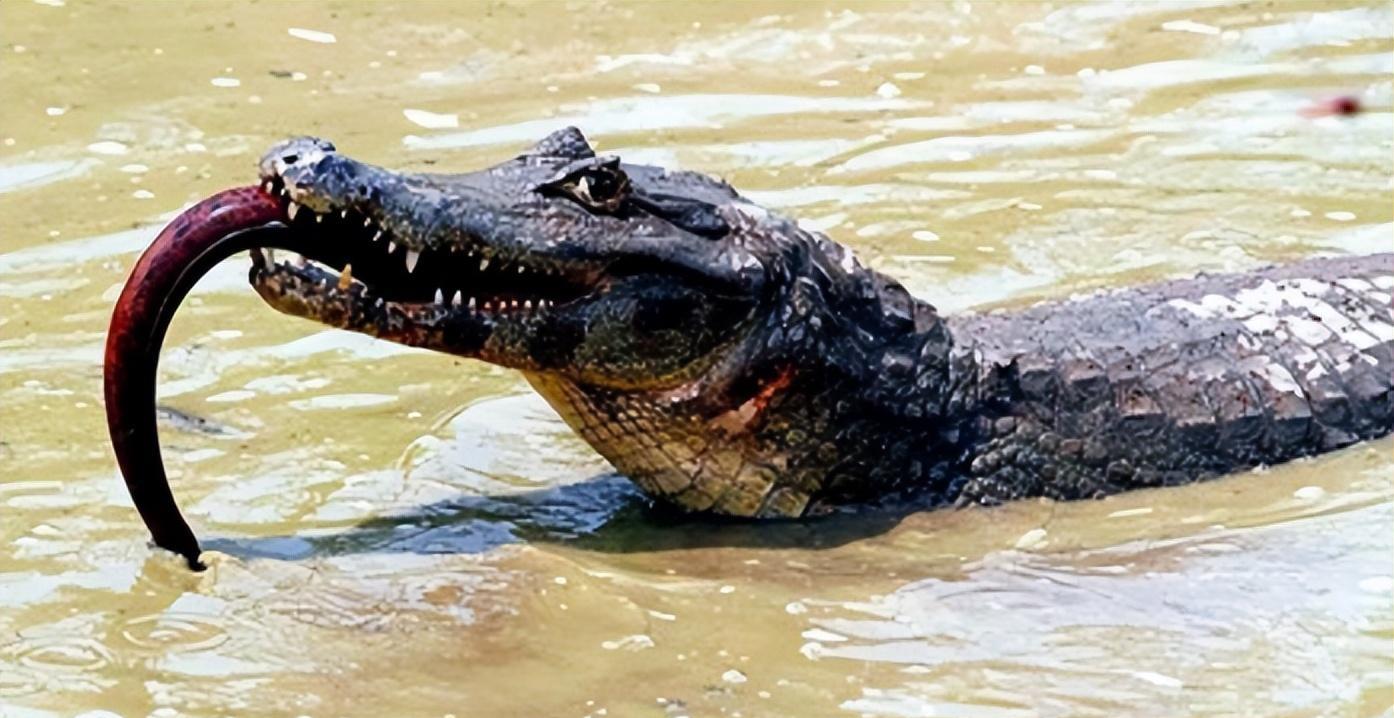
point(401, 533)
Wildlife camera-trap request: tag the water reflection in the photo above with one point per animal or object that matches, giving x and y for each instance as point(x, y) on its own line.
point(1183, 617)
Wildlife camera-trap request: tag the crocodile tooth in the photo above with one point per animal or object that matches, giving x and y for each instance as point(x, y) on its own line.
point(377, 236)
point(515, 303)
point(527, 304)
point(269, 186)
point(318, 218)
point(292, 209)
point(380, 302)
point(367, 221)
point(522, 270)
point(458, 299)
point(391, 246)
point(343, 214)
point(440, 296)
point(271, 256)
point(413, 257)
point(346, 278)
point(483, 264)
point(471, 304)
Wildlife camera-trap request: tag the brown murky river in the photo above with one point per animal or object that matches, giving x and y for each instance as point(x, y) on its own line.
point(397, 533)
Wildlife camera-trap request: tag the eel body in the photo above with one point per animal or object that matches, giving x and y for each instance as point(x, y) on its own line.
point(184, 251)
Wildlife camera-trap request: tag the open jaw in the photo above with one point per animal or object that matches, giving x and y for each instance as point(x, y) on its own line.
point(347, 267)
point(599, 281)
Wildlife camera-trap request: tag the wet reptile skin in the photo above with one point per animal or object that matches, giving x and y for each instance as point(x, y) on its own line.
point(1161, 385)
point(728, 361)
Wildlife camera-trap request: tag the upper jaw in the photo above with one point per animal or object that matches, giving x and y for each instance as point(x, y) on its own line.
point(399, 231)
point(493, 215)
point(476, 252)
point(307, 176)
point(375, 270)
point(414, 217)
point(343, 236)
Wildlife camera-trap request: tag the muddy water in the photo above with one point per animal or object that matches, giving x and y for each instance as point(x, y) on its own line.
point(399, 533)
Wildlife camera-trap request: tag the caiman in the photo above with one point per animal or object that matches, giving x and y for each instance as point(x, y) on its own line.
point(729, 361)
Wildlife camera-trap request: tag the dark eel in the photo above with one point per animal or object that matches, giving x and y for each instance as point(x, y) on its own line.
point(197, 239)
point(729, 361)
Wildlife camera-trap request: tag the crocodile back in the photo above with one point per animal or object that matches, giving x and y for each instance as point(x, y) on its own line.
point(1181, 380)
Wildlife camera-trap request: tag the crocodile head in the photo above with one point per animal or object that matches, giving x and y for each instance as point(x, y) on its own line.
point(664, 316)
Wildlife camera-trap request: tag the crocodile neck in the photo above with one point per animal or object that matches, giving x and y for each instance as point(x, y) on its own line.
point(847, 389)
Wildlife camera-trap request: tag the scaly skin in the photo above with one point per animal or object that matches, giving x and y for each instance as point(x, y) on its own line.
point(743, 366)
point(1181, 381)
point(728, 361)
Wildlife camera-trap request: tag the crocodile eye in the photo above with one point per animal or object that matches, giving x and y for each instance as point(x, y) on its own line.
point(602, 188)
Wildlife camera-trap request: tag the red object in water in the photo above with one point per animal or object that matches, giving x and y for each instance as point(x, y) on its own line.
point(1345, 105)
point(184, 251)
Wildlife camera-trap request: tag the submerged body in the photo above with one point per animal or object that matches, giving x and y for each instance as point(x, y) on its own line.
point(729, 361)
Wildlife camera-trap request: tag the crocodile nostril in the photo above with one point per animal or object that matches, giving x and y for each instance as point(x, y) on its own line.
point(290, 159)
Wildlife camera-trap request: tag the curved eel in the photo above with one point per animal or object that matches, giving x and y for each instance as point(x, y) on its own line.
point(184, 251)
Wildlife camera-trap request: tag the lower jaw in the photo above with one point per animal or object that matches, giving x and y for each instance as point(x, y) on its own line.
point(325, 292)
point(414, 325)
